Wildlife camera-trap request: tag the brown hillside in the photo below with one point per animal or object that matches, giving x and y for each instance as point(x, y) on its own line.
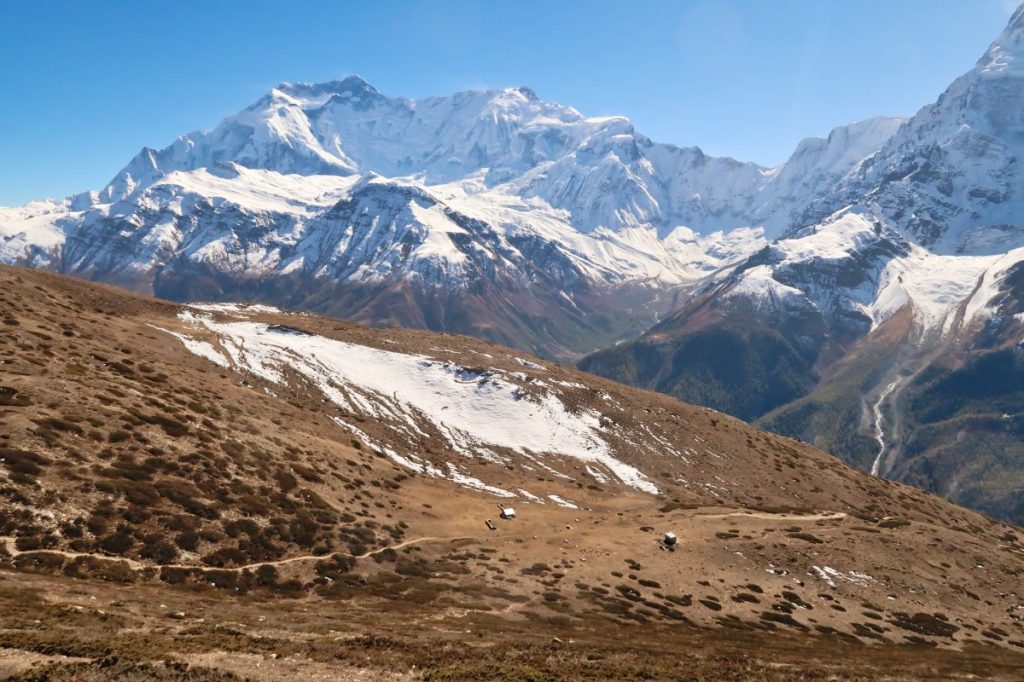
point(162, 510)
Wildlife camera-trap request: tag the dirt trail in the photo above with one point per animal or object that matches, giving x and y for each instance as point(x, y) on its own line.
point(136, 565)
point(8, 544)
point(769, 516)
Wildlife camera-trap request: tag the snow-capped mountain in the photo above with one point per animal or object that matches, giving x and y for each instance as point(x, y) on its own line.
point(604, 173)
point(897, 289)
point(941, 200)
point(491, 213)
point(496, 214)
point(951, 178)
point(946, 186)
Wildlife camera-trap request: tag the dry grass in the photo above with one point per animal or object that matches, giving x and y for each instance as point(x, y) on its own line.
point(138, 482)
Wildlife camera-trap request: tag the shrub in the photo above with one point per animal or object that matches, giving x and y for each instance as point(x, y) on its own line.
point(307, 473)
point(159, 551)
point(47, 562)
point(925, 624)
point(117, 543)
point(536, 569)
point(713, 605)
point(188, 541)
point(226, 556)
point(385, 555)
point(233, 448)
point(175, 575)
point(303, 530)
point(335, 566)
point(266, 575)
point(9, 397)
point(628, 592)
point(28, 543)
point(22, 463)
point(62, 425)
point(413, 568)
point(71, 530)
point(221, 579)
point(180, 522)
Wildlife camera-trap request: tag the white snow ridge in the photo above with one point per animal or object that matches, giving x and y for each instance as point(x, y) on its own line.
point(472, 410)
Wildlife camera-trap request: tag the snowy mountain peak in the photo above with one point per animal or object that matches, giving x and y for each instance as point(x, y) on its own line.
point(1005, 57)
point(528, 93)
point(389, 208)
point(843, 148)
point(351, 86)
point(949, 177)
point(352, 91)
point(599, 170)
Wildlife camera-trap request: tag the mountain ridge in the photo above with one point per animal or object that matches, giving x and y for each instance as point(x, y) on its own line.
point(925, 233)
point(536, 174)
point(496, 214)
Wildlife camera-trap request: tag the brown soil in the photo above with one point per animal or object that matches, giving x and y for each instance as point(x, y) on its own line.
point(166, 518)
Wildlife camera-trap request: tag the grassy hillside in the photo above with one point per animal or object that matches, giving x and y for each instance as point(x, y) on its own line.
point(738, 365)
point(964, 433)
point(168, 514)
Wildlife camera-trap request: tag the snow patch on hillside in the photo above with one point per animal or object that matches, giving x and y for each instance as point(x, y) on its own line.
point(198, 347)
point(234, 308)
point(758, 285)
point(935, 286)
point(469, 408)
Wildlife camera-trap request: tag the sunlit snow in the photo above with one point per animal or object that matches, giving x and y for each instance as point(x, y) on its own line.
point(470, 409)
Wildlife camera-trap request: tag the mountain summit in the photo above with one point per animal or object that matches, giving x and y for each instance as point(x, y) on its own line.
point(492, 213)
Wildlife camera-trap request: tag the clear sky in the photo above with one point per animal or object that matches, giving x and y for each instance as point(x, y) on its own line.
point(85, 84)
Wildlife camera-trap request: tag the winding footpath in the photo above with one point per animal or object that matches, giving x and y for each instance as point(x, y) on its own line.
point(8, 544)
point(781, 516)
point(14, 552)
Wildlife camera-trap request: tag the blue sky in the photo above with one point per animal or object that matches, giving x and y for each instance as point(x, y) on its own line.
point(86, 84)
